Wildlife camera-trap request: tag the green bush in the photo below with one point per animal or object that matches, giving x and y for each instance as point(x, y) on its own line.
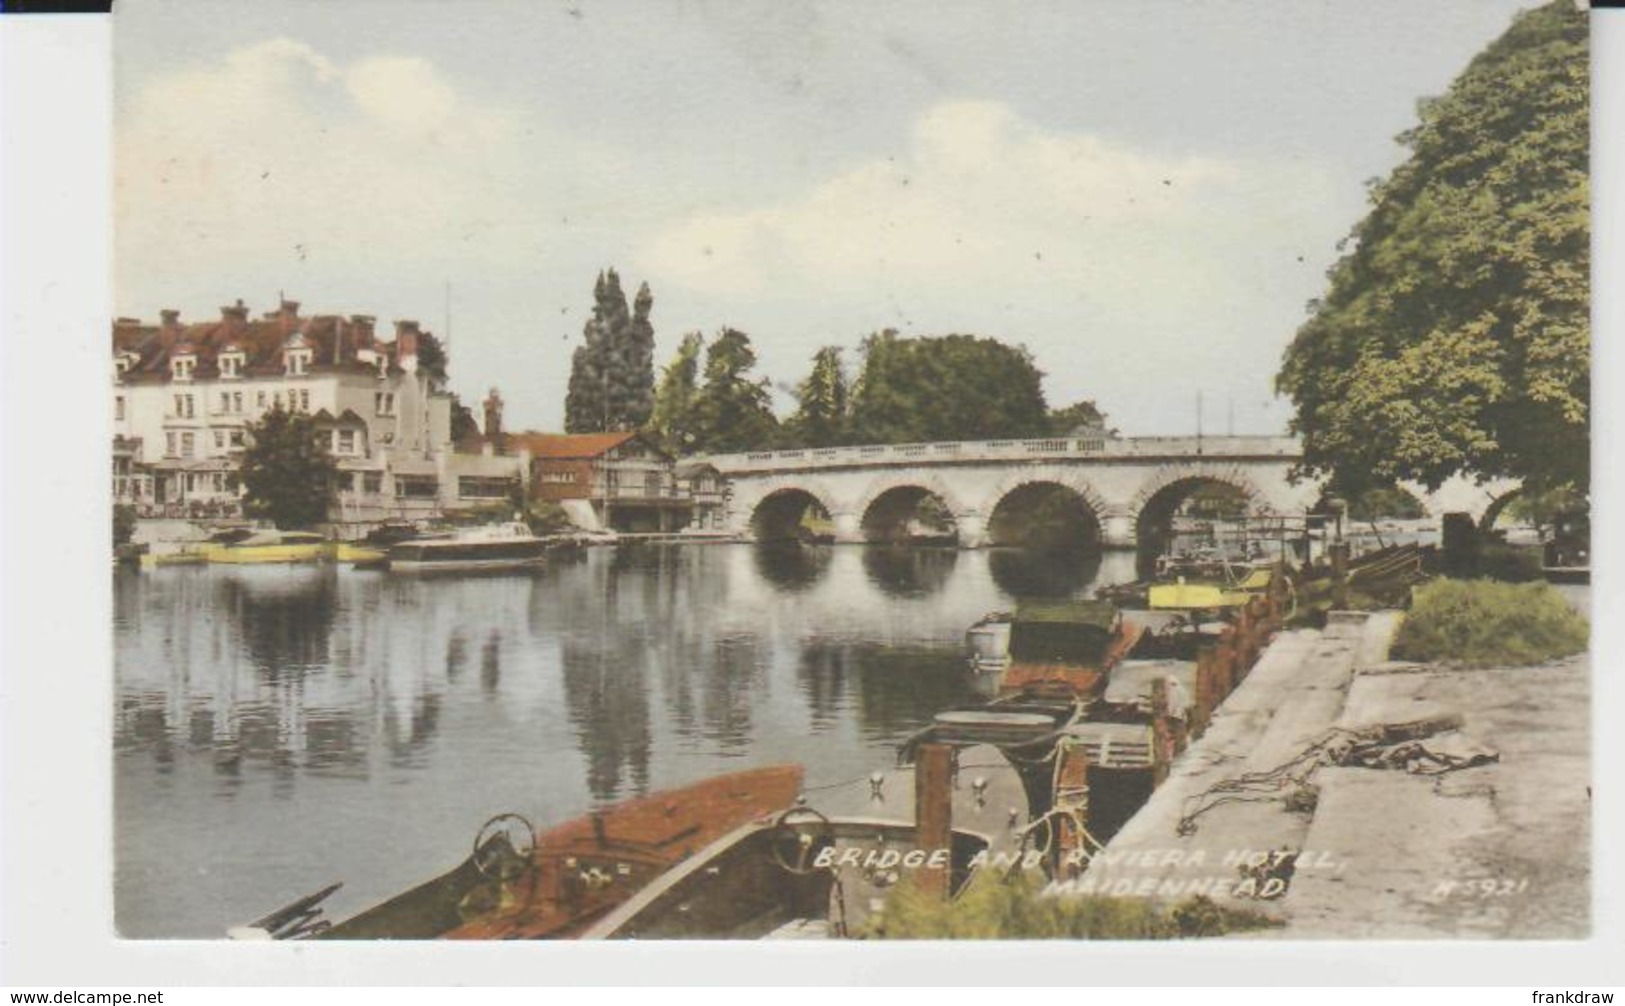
point(123, 523)
point(1483, 623)
point(995, 908)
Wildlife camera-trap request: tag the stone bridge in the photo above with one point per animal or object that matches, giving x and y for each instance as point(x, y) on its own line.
point(1123, 486)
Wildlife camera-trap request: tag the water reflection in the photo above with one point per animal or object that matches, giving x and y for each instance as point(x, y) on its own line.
point(1052, 573)
point(901, 571)
point(262, 714)
point(789, 566)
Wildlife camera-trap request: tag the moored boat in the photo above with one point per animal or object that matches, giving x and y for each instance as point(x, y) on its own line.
point(1063, 648)
point(517, 884)
point(509, 545)
point(272, 547)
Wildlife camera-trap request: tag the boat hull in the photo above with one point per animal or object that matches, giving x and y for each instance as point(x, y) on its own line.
point(580, 870)
point(262, 554)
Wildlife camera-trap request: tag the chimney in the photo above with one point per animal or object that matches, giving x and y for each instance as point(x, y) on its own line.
point(406, 345)
point(169, 326)
point(288, 315)
point(493, 420)
point(234, 318)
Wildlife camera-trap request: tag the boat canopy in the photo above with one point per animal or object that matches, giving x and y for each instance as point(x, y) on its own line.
point(1062, 631)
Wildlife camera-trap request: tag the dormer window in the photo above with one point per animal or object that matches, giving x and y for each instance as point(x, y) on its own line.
point(231, 363)
point(181, 367)
point(122, 364)
point(296, 354)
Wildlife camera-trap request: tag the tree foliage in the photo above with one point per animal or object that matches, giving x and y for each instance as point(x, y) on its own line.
point(463, 423)
point(955, 387)
point(732, 410)
point(432, 357)
point(673, 420)
point(1084, 415)
point(1454, 336)
point(822, 410)
point(287, 474)
point(612, 371)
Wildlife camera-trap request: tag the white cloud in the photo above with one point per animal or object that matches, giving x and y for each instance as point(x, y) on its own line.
point(1112, 263)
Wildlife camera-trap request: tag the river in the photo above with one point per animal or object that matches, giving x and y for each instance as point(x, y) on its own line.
point(281, 728)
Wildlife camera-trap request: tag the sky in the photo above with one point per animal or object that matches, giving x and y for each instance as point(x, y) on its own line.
point(1144, 194)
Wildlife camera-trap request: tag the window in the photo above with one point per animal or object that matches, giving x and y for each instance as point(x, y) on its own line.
point(651, 483)
point(188, 445)
point(121, 365)
point(304, 401)
point(416, 487)
point(276, 400)
point(118, 407)
point(236, 438)
point(219, 439)
point(483, 487)
point(384, 403)
point(230, 364)
point(237, 402)
point(261, 401)
point(559, 478)
point(372, 482)
point(180, 401)
point(225, 402)
point(298, 360)
point(182, 368)
point(169, 445)
point(344, 441)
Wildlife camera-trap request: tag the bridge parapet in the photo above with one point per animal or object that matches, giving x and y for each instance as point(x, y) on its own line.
point(973, 451)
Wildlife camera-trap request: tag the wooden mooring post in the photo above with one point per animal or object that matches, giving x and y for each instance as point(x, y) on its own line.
point(933, 812)
point(1162, 735)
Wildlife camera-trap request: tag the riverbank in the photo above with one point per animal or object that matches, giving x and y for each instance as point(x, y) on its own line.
point(1275, 809)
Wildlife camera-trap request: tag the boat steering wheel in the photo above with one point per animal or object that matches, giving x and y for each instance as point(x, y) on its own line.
point(505, 847)
point(796, 839)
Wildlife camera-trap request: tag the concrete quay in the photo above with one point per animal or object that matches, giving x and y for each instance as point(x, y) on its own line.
point(1252, 817)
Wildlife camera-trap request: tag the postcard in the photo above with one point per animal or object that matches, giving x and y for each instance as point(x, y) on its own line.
point(819, 471)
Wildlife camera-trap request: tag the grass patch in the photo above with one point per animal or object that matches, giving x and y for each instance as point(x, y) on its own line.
point(995, 908)
point(1482, 623)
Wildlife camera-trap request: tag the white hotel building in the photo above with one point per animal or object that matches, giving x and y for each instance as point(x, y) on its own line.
point(183, 394)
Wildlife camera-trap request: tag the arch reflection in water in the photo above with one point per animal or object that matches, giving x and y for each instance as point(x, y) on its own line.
point(890, 689)
point(791, 567)
point(1057, 573)
point(909, 571)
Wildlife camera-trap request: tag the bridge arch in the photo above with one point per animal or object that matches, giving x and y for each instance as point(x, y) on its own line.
point(890, 503)
point(774, 511)
point(1160, 496)
point(1074, 510)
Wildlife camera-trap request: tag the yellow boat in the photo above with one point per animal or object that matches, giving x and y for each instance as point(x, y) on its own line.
point(359, 553)
point(273, 547)
point(1230, 589)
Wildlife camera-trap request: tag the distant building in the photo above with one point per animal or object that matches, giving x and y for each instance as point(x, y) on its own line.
point(625, 481)
point(183, 395)
point(706, 489)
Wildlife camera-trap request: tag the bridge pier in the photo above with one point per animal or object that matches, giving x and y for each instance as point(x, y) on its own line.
point(848, 527)
point(972, 527)
point(1117, 530)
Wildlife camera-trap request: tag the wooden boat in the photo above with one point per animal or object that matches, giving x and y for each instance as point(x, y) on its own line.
point(520, 885)
point(798, 875)
point(272, 547)
point(493, 546)
point(1061, 648)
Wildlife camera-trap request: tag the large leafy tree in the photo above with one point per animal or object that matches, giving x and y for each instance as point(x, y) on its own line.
point(955, 387)
point(673, 417)
point(612, 371)
point(1454, 336)
point(287, 474)
point(732, 411)
point(820, 419)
